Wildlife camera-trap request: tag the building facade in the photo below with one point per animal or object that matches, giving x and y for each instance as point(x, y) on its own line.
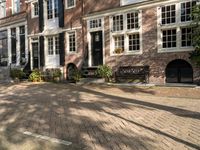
point(13, 35)
point(86, 33)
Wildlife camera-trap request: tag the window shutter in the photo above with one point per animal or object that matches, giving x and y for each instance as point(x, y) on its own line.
point(61, 13)
point(62, 48)
point(42, 58)
point(41, 15)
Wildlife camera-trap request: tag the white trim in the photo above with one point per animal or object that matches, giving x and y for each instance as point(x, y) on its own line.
point(67, 42)
point(89, 30)
point(51, 61)
point(178, 25)
point(31, 51)
point(66, 6)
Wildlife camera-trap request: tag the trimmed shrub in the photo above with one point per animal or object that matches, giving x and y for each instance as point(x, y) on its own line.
point(17, 74)
point(104, 71)
point(35, 76)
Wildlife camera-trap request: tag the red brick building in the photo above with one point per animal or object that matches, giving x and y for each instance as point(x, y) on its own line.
point(86, 33)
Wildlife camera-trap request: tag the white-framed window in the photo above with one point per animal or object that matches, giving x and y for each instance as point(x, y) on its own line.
point(95, 23)
point(2, 8)
point(15, 6)
point(186, 36)
point(168, 14)
point(118, 22)
point(119, 42)
point(174, 31)
point(70, 3)
point(71, 42)
point(52, 9)
point(34, 9)
point(134, 42)
point(53, 45)
point(126, 33)
point(169, 38)
point(132, 20)
point(186, 10)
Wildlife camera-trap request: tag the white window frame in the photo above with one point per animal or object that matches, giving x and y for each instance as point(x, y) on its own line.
point(69, 7)
point(54, 45)
point(178, 25)
point(53, 10)
point(3, 9)
point(126, 32)
point(14, 6)
point(68, 44)
point(33, 10)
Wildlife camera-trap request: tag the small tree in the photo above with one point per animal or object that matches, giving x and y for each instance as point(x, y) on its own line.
point(195, 55)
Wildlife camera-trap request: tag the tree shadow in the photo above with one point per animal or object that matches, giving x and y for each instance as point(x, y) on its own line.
point(76, 114)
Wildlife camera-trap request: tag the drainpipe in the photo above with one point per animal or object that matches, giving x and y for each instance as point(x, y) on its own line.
point(82, 24)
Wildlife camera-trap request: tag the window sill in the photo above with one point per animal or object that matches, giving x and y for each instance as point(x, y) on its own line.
point(172, 50)
point(127, 53)
point(33, 17)
point(71, 7)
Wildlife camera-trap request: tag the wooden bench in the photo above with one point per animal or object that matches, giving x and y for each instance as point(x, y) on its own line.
point(132, 73)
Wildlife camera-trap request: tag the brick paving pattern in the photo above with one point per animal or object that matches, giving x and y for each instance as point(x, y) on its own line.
point(97, 117)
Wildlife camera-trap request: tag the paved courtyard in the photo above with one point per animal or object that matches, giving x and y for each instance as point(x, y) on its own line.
point(98, 117)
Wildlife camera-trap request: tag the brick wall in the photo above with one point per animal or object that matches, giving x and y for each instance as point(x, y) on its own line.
point(157, 61)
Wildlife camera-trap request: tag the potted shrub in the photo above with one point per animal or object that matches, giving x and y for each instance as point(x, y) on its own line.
point(35, 76)
point(76, 75)
point(16, 74)
point(57, 74)
point(105, 72)
point(118, 50)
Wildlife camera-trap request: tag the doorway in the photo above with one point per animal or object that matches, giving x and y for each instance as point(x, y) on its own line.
point(97, 48)
point(179, 71)
point(35, 55)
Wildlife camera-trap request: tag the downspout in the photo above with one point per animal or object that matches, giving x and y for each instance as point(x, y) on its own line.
point(82, 24)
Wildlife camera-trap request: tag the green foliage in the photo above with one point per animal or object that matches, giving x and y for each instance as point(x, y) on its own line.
point(17, 74)
point(104, 71)
point(195, 55)
point(57, 73)
point(35, 76)
point(76, 75)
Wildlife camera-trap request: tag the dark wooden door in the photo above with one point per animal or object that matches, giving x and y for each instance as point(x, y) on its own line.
point(35, 55)
point(179, 71)
point(97, 48)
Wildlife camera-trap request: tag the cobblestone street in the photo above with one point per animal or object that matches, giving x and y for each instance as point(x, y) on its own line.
point(99, 117)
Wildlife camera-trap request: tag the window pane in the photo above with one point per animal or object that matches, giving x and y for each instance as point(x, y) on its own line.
point(118, 23)
point(169, 38)
point(132, 20)
point(134, 42)
point(186, 37)
point(186, 10)
point(168, 14)
point(72, 42)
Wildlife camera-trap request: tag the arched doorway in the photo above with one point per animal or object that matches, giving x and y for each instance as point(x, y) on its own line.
point(70, 71)
point(179, 71)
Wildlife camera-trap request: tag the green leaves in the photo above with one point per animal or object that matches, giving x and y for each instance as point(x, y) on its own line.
point(104, 71)
point(195, 55)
